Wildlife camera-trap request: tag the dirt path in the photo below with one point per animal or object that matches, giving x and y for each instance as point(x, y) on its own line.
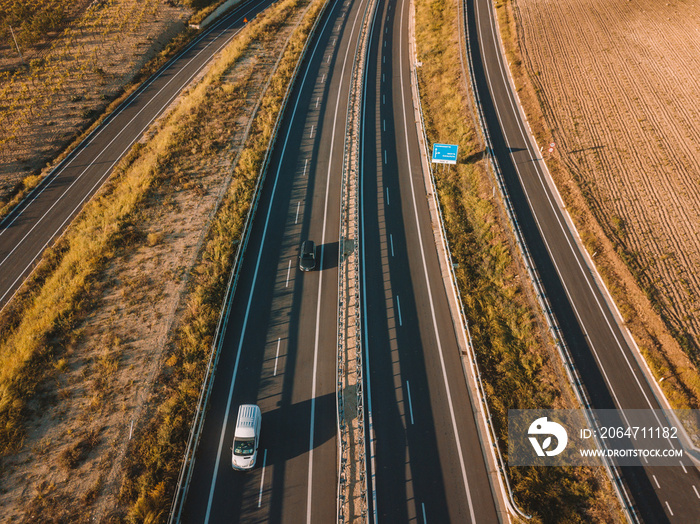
point(618, 85)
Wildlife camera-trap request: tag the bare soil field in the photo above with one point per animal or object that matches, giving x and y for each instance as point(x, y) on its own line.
point(63, 82)
point(615, 85)
point(99, 392)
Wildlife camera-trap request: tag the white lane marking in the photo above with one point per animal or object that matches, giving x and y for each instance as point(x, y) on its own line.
point(384, 59)
point(306, 163)
point(323, 79)
point(669, 507)
point(385, 156)
point(383, 99)
point(386, 29)
point(683, 466)
point(577, 254)
point(134, 97)
point(696, 491)
point(224, 425)
point(398, 310)
point(387, 197)
point(384, 124)
point(384, 43)
point(410, 404)
point(289, 269)
point(430, 293)
point(328, 59)
point(391, 241)
point(110, 119)
point(277, 356)
point(425, 519)
point(320, 288)
point(296, 219)
point(383, 77)
point(311, 135)
point(262, 480)
point(658, 486)
point(317, 102)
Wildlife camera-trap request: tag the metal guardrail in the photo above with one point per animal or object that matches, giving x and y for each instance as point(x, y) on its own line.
point(348, 279)
point(543, 301)
point(465, 323)
point(198, 422)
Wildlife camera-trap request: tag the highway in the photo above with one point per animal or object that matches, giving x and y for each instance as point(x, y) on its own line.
point(428, 463)
point(279, 348)
point(604, 354)
point(44, 215)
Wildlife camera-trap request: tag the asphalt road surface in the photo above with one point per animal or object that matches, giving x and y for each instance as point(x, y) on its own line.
point(603, 353)
point(280, 345)
point(428, 463)
point(39, 219)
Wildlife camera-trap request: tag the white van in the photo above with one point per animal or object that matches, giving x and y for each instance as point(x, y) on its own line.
point(246, 436)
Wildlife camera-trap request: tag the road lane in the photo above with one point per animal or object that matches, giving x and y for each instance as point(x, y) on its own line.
point(604, 356)
point(280, 345)
point(40, 218)
point(428, 460)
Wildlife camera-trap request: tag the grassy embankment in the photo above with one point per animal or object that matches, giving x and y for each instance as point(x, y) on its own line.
point(65, 64)
point(155, 456)
point(42, 318)
point(520, 367)
point(635, 293)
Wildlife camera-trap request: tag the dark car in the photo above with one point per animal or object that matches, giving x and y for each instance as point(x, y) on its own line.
point(307, 256)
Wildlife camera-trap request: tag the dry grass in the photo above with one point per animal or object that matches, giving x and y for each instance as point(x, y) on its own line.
point(518, 361)
point(627, 159)
point(69, 76)
point(113, 273)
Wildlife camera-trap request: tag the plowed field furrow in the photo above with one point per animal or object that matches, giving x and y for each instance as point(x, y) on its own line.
point(619, 88)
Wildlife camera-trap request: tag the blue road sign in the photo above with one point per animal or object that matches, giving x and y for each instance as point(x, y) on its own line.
point(445, 153)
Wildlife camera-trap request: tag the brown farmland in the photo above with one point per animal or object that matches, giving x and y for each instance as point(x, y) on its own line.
point(617, 86)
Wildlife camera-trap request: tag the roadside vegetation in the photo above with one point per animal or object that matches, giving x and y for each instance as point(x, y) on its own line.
point(516, 356)
point(70, 61)
point(155, 458)
point(626, 161)
point(48, 317)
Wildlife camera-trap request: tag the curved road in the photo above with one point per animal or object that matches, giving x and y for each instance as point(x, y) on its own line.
point(279, 348)
point(428, 463)
point(40, 218)
point(603, 353)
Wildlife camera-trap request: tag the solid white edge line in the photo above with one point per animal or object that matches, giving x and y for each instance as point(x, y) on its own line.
point(91, 193)
point(372, 482)
point(320, 285)
point(577, 256)
point(430, 294)
point(250, 297)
